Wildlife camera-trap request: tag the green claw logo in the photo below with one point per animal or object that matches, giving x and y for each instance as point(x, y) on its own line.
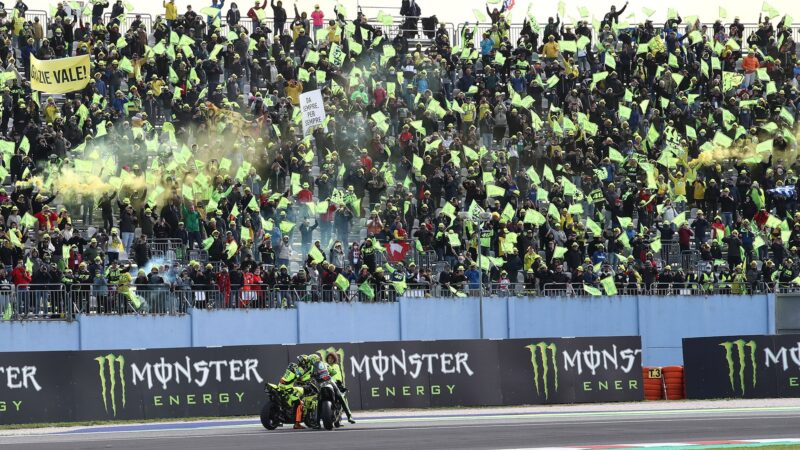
point(113, 364)
point(741, 362)
point(539, 358)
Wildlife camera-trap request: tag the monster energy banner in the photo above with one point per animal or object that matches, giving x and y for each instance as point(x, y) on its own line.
point(742, 366)
point(225, 381)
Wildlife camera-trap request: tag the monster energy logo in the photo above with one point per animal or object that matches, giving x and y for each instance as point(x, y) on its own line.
point(339, 352)
point(539, 358)
point(111, 365)
point(740, 345)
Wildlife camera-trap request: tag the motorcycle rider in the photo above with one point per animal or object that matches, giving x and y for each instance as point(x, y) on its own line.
point(290, 378)
point(312, 366)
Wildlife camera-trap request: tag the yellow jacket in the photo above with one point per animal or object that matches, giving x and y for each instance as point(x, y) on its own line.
point(550, 49)
point(171, 11)
point(469, 112)
point(679, 183)
point(50, 113)
point(699, 190)
point(334, 35)
point(293, 90)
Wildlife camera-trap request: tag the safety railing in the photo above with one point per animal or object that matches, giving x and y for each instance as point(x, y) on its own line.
point(64, 302)
point(425, 258)
point(685, 288)
point(783, 288)
point(250, 25)
point(515, 30)
point(39, 301)
point(171, 249)
point(124, 25)
point(32, 14)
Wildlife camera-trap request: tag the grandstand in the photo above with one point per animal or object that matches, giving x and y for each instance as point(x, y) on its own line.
point(490, 158)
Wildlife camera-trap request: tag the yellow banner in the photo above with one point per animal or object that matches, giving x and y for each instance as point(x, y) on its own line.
point(59, 76)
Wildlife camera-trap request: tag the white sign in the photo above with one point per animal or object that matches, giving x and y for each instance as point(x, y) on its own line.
point(312, 110)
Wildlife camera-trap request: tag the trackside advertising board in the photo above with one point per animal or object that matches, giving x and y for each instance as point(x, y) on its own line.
point(222, 381)
point(742, 366)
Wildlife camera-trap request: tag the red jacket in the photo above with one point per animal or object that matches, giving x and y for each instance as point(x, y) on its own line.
point(761, 218)
point(20, 276)
point(47, 220)
point(685, 236)
point(248, 281)
point(224, 282)
point(251, 13)
point(75, 260)
point(305, 196)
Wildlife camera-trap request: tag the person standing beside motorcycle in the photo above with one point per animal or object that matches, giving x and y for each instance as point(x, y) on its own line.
point(335, 370)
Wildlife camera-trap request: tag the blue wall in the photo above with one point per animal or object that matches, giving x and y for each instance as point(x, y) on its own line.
point(661, 321)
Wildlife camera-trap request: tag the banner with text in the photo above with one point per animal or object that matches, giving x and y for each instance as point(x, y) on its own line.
point(742, 366)
point(225, 381)
point(60, 76)
point(312, 110)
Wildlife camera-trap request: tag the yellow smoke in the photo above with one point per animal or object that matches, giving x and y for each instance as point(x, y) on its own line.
point(71, 184)
point(211, 148)
point(720, 154)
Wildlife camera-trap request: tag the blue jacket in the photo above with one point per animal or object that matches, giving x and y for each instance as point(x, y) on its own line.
point(486, 46)
point(474, 278)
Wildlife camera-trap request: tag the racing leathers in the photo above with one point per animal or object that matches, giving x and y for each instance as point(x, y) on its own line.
point(312, 367)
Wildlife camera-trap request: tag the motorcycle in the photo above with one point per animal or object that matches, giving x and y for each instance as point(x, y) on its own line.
point(279, 407)
point(330, 409)
point(319, 403)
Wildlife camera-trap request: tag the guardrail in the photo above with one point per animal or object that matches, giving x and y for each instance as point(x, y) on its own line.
point(64, 302)
point(45, 301)
point(170, 249)
point(146, 19)
point(32, 14)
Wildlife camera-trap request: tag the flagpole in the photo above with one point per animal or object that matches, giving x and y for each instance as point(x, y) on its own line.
point(481, 218)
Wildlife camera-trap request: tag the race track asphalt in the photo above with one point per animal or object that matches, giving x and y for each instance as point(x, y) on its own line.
point(449, 430)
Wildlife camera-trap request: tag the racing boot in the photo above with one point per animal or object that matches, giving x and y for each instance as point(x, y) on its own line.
point(298, 416)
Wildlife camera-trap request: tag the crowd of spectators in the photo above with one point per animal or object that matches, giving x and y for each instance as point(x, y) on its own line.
point(573, 155)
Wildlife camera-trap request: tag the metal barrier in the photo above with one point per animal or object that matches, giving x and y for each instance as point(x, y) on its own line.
point(516, 29)
point(200, 256)
point(32, 14)
point(147, 21)
point(425, 259)
point(248, 24)
point(59, 302)
point(576, 289)
point(686, 288)
point(171, 249)
point(40, 301)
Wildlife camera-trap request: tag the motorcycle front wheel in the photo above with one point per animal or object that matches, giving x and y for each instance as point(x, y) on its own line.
point(326, 412)
point(266, 416)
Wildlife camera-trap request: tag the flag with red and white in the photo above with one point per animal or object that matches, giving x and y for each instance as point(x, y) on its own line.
point(396, 251)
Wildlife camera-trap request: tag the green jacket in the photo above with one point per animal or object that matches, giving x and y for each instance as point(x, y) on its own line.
point(191, 219)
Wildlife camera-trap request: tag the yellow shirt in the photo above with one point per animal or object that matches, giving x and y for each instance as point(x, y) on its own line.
point(550, 49)
point(50, 113)
point(699, 190)
point(293, 92)
point(171, 11)
point(484, 108)
point(469, 112)
point(334, 35)
point(680, 184)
